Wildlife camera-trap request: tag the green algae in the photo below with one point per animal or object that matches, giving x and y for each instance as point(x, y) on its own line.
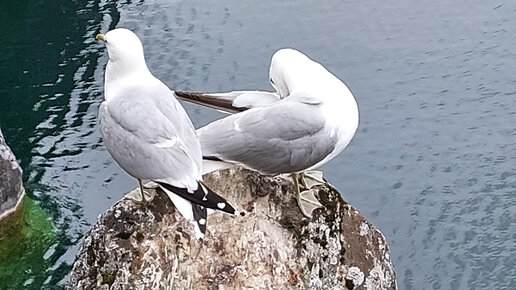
point(26, 239)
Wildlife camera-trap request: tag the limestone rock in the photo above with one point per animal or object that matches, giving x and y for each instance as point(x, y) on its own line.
point(11, 188)
point(134, 246)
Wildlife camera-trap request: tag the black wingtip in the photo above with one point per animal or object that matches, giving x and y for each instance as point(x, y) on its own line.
point(209, 101)
point(212, 158)
point(200, 215)
point(202, 196)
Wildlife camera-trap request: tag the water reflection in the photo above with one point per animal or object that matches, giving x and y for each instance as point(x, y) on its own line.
point(49, 60)
point(431, 164)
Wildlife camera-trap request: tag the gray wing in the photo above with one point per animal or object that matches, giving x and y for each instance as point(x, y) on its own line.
point(151, 138)
point(231, 102)
point(286, 137)
point(177, 115)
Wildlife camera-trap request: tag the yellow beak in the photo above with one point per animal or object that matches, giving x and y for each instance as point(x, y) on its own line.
point(100, 37)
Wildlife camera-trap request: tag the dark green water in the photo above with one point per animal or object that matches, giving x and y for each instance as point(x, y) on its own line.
point(432, 164)
point(47, 68)
point(27, 244)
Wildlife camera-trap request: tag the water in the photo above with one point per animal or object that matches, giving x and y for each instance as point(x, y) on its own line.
point(431, 164)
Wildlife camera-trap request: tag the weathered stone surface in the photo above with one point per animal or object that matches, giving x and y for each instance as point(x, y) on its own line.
point(273, 246)
point(11, 188)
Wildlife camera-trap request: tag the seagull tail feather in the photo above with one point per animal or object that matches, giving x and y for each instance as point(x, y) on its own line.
point(211, 165)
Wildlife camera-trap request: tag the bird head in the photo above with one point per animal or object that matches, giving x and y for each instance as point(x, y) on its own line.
point(124, 48)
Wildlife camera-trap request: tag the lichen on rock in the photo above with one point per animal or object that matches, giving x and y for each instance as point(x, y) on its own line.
point(135, 246)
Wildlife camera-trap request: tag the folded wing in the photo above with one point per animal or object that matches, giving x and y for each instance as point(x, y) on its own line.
point(231, 102)
point(282, 138)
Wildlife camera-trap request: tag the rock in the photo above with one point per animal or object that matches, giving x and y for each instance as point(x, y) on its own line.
point(11, 188)
point(26, 231)
point(135, 246)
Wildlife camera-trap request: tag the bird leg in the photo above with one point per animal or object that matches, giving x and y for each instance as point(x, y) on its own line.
point(144, 196)
point(142, 191)
point(306, 199)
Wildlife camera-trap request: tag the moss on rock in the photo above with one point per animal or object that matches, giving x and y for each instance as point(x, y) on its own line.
point(25, 245)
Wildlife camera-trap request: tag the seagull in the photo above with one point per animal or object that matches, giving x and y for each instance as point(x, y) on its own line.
point(309, 119)
point(149, 134)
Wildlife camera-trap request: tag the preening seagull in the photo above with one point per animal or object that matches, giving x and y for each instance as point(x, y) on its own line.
point(148, 132)
point(308, 121)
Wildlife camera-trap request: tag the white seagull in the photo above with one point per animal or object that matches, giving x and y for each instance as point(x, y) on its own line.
point(308, 121)
point(148, 132)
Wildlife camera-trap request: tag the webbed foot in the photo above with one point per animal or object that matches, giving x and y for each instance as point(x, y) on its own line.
point(308, 202)
point(306, 199)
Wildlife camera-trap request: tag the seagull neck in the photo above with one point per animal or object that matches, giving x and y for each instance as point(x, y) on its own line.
point(121, 69)
point(120, 74)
